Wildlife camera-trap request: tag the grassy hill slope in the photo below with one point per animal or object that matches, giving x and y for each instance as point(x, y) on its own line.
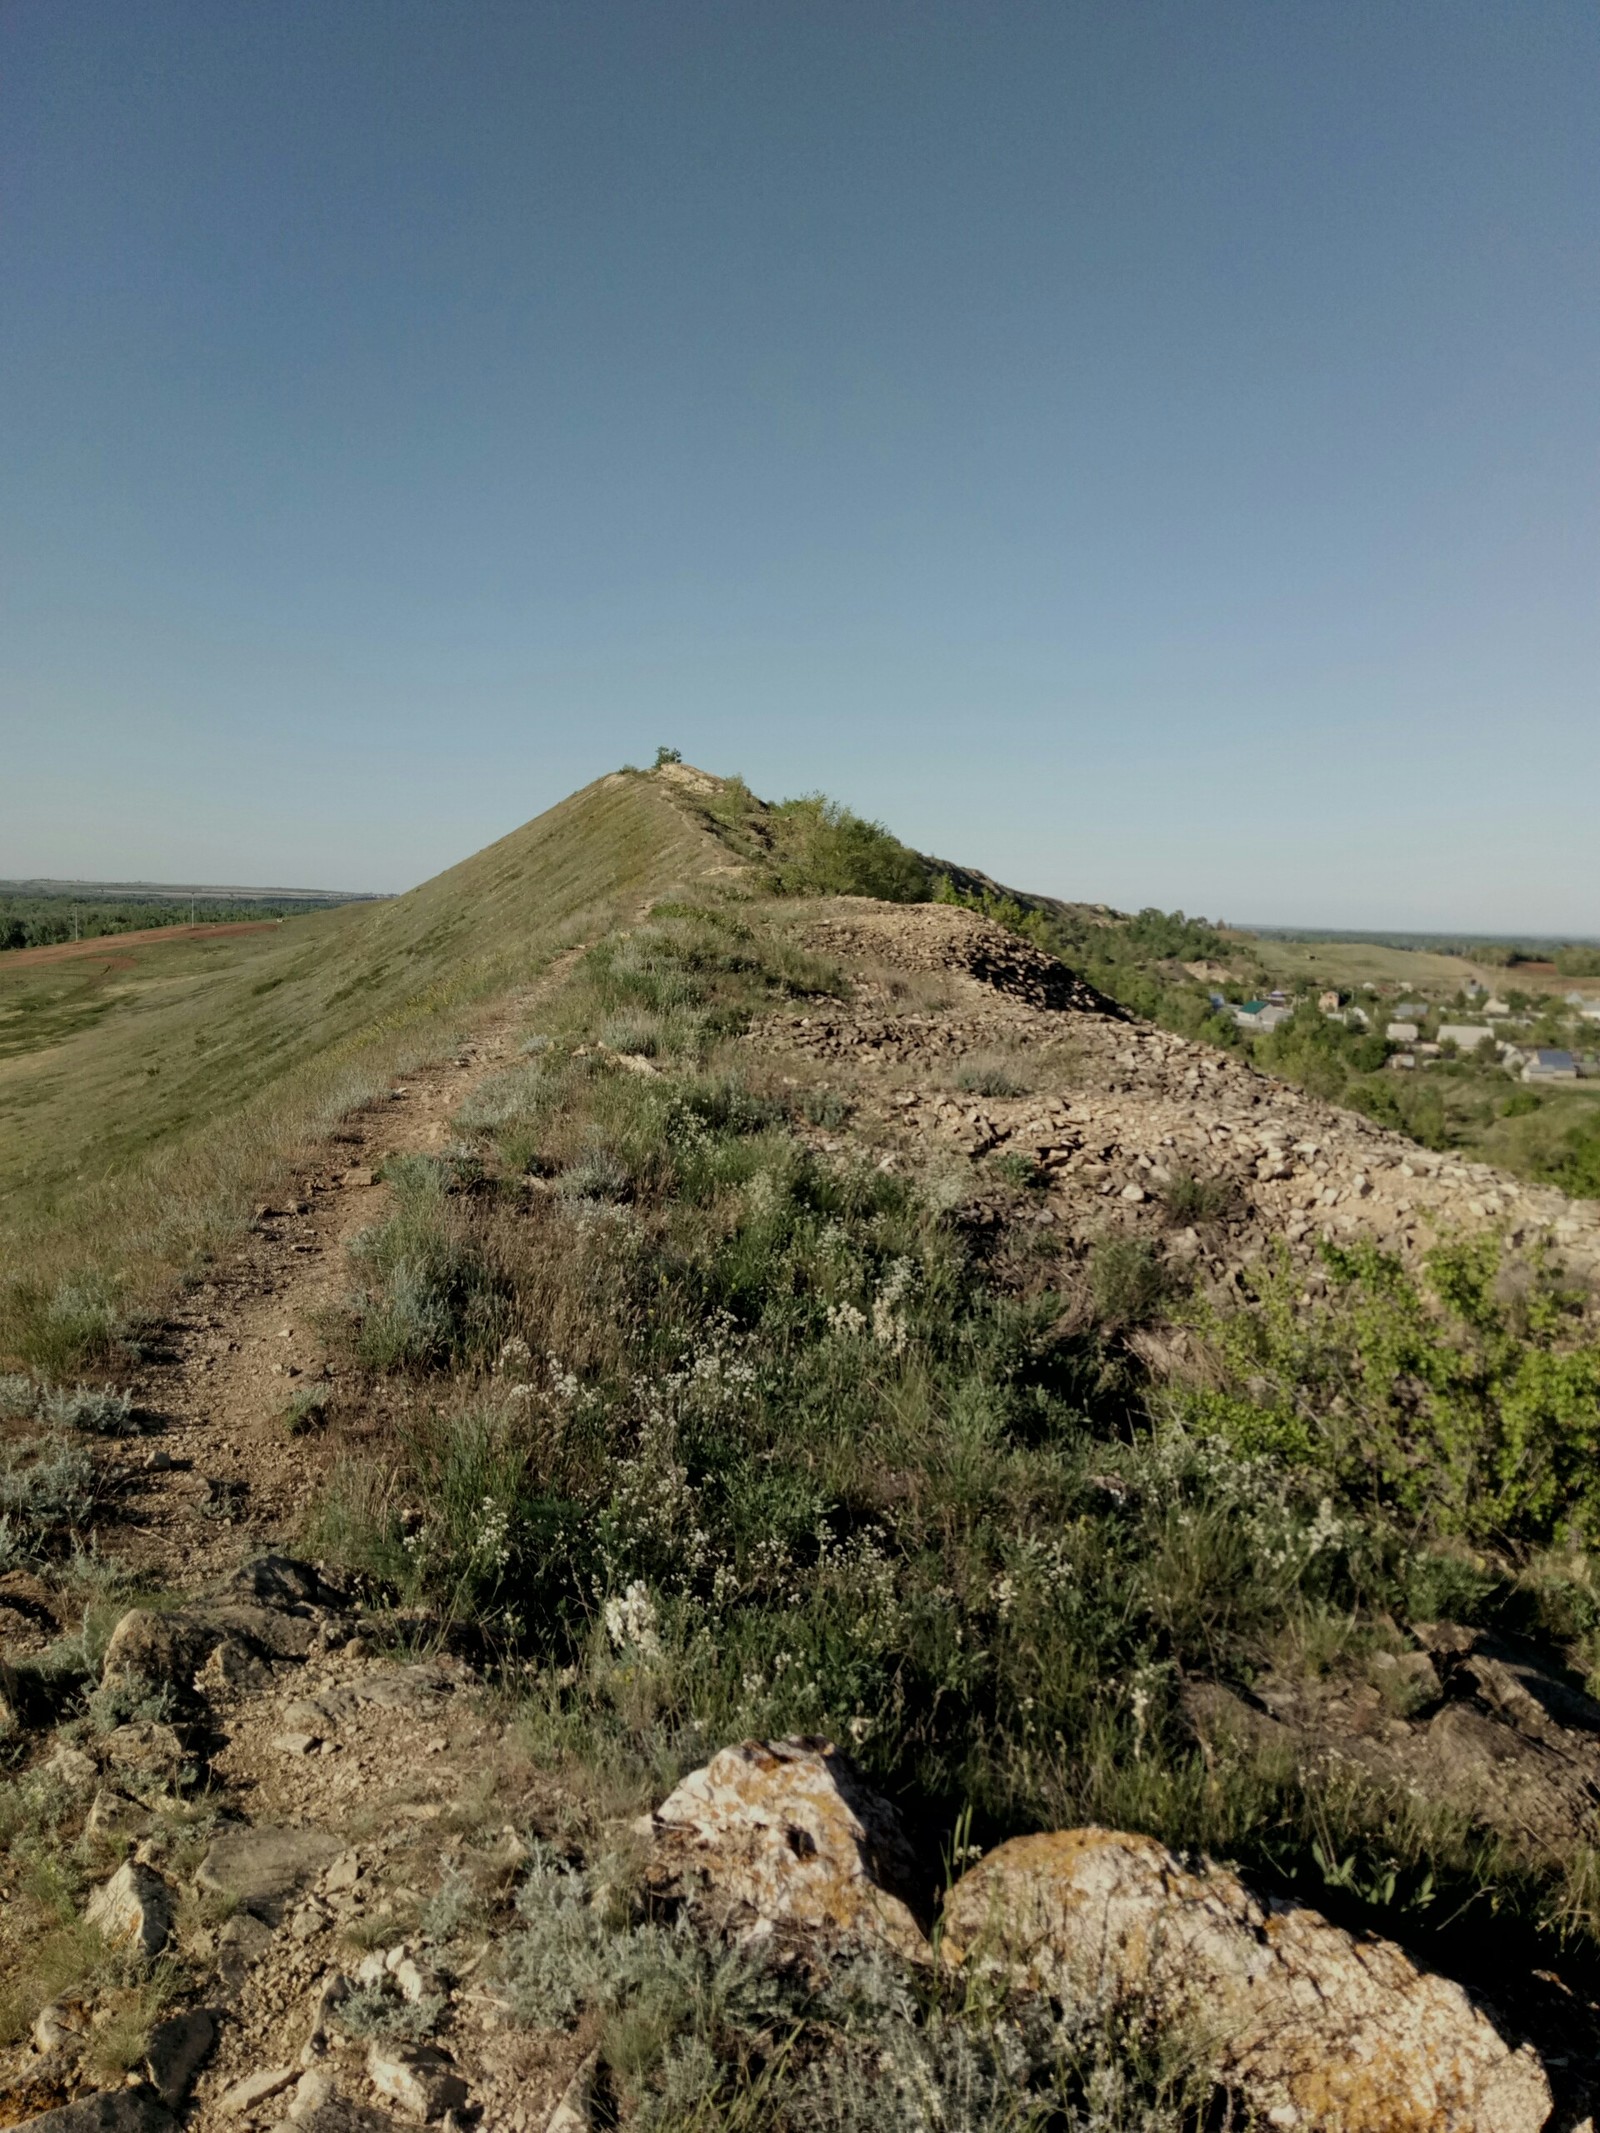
point(141, 1098)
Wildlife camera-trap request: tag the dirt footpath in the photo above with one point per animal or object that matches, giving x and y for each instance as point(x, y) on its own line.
point(144, 937)
point(221, 1476)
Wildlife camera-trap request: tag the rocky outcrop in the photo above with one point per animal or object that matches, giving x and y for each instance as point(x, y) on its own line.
point(273, 1608)
point(1316, 2029)
point(785, 1835)
point(111, 2111)
point(259, 1867)
point(1477, 1720)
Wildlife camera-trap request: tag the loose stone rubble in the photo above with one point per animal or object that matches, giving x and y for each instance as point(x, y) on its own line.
point(1116, 1108)
point(1473, 1719)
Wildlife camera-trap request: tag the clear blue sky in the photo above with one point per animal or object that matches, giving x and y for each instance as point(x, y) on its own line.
point(1149, 451)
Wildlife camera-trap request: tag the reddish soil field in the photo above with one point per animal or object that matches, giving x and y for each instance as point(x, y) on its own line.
point(111, 943)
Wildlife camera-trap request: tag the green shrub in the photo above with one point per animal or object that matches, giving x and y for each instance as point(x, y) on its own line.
point(1575, 1166)
point(1191, 1198)
point(820, 848)
point(635, 1037)
point(826, 1108)
point(303, 1410)
point(95, 1410)
point(19, 1396)
point(1428, 1400)
point(1001, 910)
point(77, 1325)
point(1128, 1281)
point(989, 1081)
point(48, 1491)
point(431, 1298)
point(597, 1174)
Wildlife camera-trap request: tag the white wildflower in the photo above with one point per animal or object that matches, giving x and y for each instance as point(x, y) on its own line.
point(632, 1623)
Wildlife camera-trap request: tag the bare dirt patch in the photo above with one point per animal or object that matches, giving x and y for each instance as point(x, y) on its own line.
point(111, 944)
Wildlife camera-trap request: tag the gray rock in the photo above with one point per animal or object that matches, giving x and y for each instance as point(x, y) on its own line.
point(419, 2080)
point(114, 1818)
point(163, 1649)
point(240, 1945)
point(344, 1873)
point(69, 1766)
point(111, 2111)
point(275, 1633)
point(178, 2048)
point(233, 1669)
point(278, 1581)
point(339, 2115)
point(315, 1715)
point(256, 2088)
point(133, 1910)
point(406, 1689)
point(574, 2111)
point(247, 1935)
point(59, 2026)
point(331, 1994)
point(314, 2092)
point(260, 1867)
point(148, 1745)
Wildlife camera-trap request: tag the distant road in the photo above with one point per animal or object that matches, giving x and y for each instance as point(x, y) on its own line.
point(109, 944)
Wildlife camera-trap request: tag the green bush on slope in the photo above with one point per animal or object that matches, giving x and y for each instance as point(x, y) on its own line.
point(1451, 1403)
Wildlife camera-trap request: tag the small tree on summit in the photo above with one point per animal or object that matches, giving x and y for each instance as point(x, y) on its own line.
point(665, 756)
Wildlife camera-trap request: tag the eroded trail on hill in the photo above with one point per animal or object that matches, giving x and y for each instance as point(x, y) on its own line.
point(222, 1475)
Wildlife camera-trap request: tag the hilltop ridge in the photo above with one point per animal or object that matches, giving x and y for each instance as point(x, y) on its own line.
point(717, 1461)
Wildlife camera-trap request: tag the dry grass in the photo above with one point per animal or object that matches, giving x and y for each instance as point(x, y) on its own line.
point(136, 1134)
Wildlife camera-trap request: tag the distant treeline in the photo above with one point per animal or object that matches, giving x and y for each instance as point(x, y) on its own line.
point(42, 921)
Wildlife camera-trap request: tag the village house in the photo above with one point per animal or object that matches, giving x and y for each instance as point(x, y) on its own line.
point(1465, 1036)
point(1550, 1065)
point(1402, 1032)
point(1261, 1014)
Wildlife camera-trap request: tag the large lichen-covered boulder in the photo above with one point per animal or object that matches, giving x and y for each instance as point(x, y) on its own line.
point(786, 1834)
point(1317, 2029)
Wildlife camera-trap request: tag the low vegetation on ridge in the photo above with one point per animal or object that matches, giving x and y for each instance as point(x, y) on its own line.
point(822, 1466)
